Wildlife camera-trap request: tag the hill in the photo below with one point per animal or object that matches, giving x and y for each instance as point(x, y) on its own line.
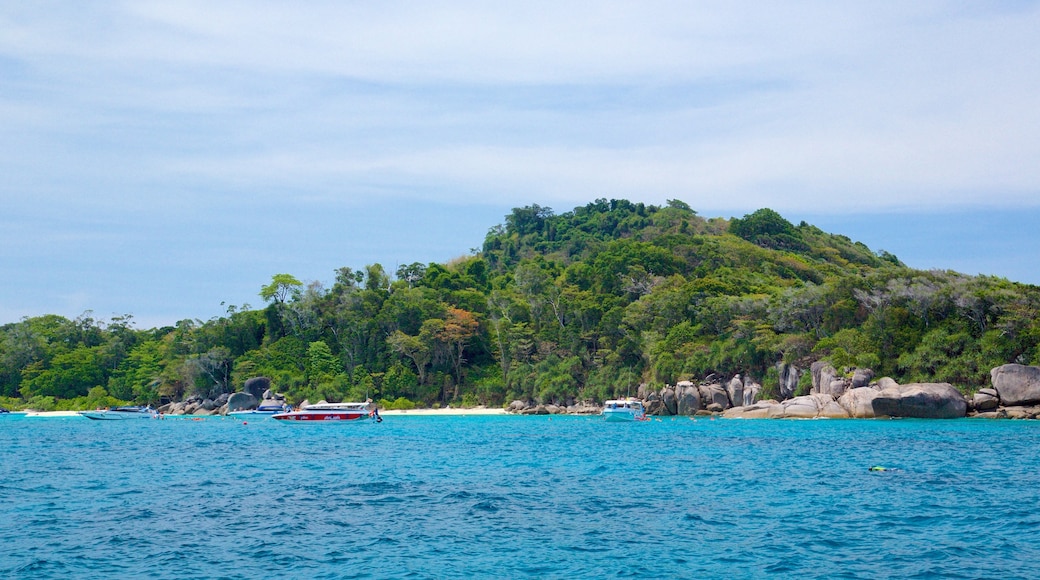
point(585, 304)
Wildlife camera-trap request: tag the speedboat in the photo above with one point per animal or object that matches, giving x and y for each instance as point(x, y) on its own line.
point(261, 411)
point(324, 412)
point(624, 410)
point(120, 413)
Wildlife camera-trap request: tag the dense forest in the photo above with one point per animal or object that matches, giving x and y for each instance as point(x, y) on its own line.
point(583, 305)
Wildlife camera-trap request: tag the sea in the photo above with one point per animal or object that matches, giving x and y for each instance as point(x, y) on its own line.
point(519, 497)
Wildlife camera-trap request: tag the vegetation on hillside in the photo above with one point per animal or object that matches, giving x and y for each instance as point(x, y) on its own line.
point(586, 304)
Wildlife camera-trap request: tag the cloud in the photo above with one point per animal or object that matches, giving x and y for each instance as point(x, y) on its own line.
point(901, 105)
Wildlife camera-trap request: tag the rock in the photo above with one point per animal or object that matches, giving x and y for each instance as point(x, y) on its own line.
point(643, 391)
point(751, 390)
point(859, 402)
point(759, 410)
point(861, 378)
point(788, 375)
point(832, 410)
point(256, 386)
point(689, 399)
point(713, 394)
point(1016, 385)
point(1018, 412)
point(985, 400)
point(715, 408)
point(921, 400)
point(735, 391)
point(804, 407)
point(822, 375)
point(208, 405)
point(536, 410)
point(516, 406)
point(241, 402)
point(886, 382)
point(671, 402)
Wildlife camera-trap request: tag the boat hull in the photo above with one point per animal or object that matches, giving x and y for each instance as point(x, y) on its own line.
point(321, 416)
point(111, 415)
point(620, 416)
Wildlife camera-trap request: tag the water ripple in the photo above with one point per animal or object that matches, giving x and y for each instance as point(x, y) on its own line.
point(519, 497)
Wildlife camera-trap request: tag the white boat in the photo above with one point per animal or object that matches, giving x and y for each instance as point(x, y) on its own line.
point(121, 413)
point(624, 410)
point(325, 412)
point(261, 411)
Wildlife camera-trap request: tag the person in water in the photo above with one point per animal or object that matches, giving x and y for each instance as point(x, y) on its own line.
point(881, 468)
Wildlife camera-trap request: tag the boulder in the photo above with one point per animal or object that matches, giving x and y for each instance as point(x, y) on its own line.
point(921, 400)
point(859, 402)
point(751, 390)
point(1016, 385)
point(822, 375)
point(886, 382)
point(241, 402)
point(256, 386)
point(861, 378)
point(735, 391)
point(985, 400)
point(671, 402)
point(788, 378)
point(713, 394)
point(689, 399)
point(759, 410)
point(804, 407)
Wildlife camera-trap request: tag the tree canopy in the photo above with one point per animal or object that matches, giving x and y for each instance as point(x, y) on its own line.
point(584, 304)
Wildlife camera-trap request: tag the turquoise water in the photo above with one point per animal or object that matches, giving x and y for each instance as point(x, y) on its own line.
point(518, 497)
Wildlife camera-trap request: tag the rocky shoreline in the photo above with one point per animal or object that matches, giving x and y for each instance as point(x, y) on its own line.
point(1014, 394)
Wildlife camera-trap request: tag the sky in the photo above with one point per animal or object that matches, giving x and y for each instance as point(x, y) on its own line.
point(165, 159)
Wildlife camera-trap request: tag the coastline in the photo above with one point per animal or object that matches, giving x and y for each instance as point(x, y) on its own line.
point(446, 411)
point(450, 411)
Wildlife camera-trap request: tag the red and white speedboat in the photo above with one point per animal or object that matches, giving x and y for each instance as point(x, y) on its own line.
point(325, 412)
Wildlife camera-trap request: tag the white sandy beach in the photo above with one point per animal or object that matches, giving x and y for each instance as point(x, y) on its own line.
point(447, 411)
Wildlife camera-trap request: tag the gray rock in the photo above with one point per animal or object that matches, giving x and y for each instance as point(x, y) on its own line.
point(751, 390)
point(886, 383)
point(862, 378)
point(822, 375)
point(689, 399)
point(985, 401)
point(788, 375)
point(835, 388)
point(671, 402)
point(809, 407)
point(256, 386)
point(241, 402)
point(922, 400)
point(516, 406)
point(1016, 385)
point(713, 394)
point(759, 410)
point(735, 391)
point(859, 402)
